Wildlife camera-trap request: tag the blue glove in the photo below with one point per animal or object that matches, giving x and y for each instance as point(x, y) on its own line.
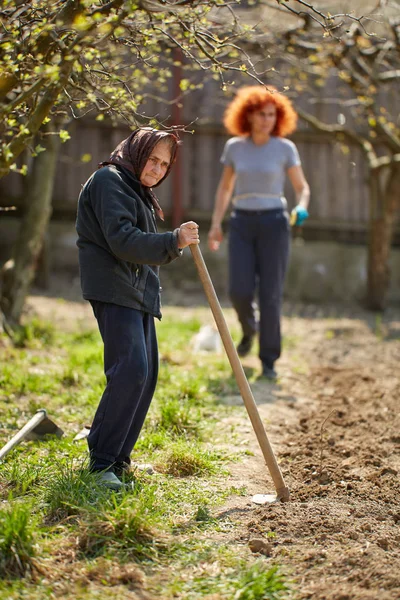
point(298, 215)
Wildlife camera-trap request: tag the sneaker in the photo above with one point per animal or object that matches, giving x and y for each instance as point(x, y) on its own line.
point(111, 481)
point(245, 344)
point(269, 373)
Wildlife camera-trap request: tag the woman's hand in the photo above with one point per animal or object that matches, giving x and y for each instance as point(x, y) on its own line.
point(215, 237)
point(188, 234)
point(298, 215)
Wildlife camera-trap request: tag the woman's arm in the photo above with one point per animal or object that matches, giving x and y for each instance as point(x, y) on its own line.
point(222, 199)
point(114, 205)
point(300, 185)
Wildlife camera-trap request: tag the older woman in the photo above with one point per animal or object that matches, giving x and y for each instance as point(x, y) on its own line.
point(256, 163)
point(119, 254)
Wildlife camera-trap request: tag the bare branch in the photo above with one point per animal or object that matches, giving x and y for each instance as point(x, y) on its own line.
point(386, 161)
point(391, 139)
point(340, 130)
point(24, 96)
point(390, 75)
point(328, 22)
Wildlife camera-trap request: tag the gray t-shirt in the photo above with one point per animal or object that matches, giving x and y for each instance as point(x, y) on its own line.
point(260, 171)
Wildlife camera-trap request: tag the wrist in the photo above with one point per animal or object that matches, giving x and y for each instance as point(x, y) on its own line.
point(177, 236)
point(301, 208)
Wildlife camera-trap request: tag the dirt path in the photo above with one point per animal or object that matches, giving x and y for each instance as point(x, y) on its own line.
point(333, 420)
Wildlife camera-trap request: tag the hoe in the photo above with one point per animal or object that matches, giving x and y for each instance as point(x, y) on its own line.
point(282, 492)
point(35, 429)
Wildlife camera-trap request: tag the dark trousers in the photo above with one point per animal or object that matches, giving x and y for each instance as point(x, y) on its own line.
point(131, 369)
point(258, 256)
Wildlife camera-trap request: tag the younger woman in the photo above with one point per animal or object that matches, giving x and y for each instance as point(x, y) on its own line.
point(256, 162)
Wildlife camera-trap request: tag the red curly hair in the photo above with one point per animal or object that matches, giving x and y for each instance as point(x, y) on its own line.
point(252, 98)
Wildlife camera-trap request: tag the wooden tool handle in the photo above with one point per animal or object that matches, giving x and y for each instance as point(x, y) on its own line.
point(244, 387)
point(22, 433)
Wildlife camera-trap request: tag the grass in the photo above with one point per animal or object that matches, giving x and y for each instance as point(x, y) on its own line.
point(260, 583)
point(183, 459)
point(16, 540)
point(60, 530)
point(34, 334)
point(130, 525)
point(71, 490)
point(177, 417)
point(231, 577)
point(20, 478)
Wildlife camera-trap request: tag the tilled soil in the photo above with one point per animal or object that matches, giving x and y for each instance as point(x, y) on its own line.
point(336, 429)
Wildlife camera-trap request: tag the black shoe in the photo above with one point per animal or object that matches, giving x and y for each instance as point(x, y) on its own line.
point(245, 344)
point(269, 373)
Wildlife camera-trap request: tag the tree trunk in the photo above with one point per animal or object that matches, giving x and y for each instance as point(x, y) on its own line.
point(19, 272)
point(383, 206)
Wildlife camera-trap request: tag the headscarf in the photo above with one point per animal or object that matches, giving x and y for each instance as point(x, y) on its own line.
point(134, 152)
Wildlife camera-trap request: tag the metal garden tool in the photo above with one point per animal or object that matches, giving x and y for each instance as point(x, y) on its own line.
point(282, 492)
point(35, 429)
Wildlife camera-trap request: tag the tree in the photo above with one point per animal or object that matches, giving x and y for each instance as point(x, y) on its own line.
point(19, 272)
point(66, 59)
point(362, 54)
point(84, 56)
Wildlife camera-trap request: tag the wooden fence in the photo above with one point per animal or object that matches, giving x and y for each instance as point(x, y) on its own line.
point(338, 183)
point(337, 174)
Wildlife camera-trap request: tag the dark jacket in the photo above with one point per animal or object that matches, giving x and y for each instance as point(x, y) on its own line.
point(119, 247)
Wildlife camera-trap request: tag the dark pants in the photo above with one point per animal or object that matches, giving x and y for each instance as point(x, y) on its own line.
point(131, 369)
point(258, 256)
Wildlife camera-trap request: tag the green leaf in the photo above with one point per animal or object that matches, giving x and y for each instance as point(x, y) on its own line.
point(64, 135)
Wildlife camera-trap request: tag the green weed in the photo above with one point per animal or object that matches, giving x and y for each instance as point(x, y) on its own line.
point(16, 540)
point(20, 478)
point(175, 338)
point(72, 490)
point(17, 382)
point(128, 522)
point(151, 440)
point(176, 417)
point(259, 583)
point(234, 578)
point(289, 342)
point(34, 334)
point(203, 515)
point(183, 459)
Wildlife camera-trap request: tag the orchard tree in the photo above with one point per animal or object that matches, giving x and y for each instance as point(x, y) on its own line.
point(363, 55)
point(62, 60)
point(80, 57)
